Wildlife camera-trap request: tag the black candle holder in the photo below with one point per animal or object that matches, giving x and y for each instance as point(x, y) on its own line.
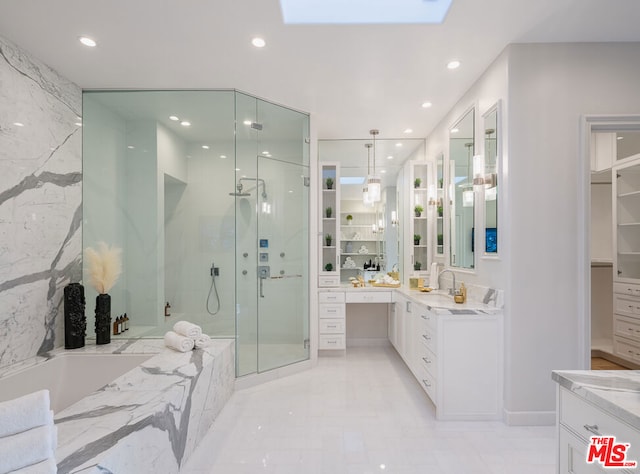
point(75, 321)
point(103, 319)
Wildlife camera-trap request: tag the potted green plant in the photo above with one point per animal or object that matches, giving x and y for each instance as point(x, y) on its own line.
point(328, 212)
point(416, 182)
point(417, 266)
point(328, 267)
point(440, 210)
point(349, 219)
point(440, 239)
point(416, 239)
point(418, 210)
point(440, 183)
point(329, 182)
point(328, 239)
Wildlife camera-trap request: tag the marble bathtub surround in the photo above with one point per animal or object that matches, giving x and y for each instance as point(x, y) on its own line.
point(163, 408)
point(40, 202)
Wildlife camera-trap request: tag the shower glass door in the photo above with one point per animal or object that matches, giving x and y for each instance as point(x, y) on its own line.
point(272, 165)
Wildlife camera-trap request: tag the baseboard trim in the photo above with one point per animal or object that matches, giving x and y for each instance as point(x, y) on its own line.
point(530, 418)
point(252, 380)
point(614, 358)
point(368, 342)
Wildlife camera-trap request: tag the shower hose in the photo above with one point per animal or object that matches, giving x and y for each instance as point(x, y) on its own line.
point(213, 288)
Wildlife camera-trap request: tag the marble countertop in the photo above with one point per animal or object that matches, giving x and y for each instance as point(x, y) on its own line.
point(440, 302)
point(615, 391)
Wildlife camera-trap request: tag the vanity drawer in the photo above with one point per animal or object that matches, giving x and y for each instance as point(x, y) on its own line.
point(331, 297)
point(328, 280)
point(427, 319)
point(428, 339)
point(331, 326)
point(627, 327)
point(368, 297)
point(328, 342)
point(626, 289)
point(428, 383)
point(331, 310)
point(581, 416)
point(428, 360)
point(626, 305)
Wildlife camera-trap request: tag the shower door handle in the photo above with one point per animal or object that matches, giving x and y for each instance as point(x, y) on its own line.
point(264, 272)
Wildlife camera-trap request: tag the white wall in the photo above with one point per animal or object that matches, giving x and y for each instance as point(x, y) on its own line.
point(550, 87)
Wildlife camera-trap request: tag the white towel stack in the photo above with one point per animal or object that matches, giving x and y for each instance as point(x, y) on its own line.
point(28, 437)
point(185, 336)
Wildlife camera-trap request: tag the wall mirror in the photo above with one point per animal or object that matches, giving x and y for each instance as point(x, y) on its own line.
point(461, 194)
point(491, 157)
point(440, 204)
point(375, 227)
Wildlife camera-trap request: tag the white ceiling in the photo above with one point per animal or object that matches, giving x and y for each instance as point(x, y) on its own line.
point(350, 78)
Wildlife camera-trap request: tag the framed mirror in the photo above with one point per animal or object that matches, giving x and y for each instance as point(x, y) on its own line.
point(491, 159)
point(461, 193)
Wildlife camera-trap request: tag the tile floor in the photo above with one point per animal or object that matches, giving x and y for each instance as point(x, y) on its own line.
point(361, 413)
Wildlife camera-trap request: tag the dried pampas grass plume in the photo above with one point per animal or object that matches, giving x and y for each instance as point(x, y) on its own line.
point(104, 266)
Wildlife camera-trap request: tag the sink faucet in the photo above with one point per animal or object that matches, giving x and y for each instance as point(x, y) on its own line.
point(452, 290)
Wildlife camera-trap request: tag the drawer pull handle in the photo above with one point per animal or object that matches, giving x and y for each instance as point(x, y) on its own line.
point(331, 326)
point(592, 429)
point(425, 317)
point(426, 384)
point(428, 338)
point(426, 361)
point(332, 342)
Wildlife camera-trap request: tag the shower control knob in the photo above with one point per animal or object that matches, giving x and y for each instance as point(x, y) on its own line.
point(244, 272)
point(245, 255)
point(282, 254)
point(281, 272)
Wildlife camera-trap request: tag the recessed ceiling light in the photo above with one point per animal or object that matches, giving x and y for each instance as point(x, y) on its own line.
point(408, 130)
point(184, 123)
point(205, 147)
point(85, 40)
point(237, 169)
point(426, 105)
point(390, 157)
point(619, 138)
point(174, 118)
point(223, 156)
point(265, 152)
point(398, 144)
point(455, 130)
point(130, 147)
point(258, 42)
point(453, 64)
point(18, 124)
point(247, 122)
point(383, 171)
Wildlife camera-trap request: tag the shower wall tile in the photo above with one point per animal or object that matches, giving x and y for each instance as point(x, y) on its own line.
point(40, 202)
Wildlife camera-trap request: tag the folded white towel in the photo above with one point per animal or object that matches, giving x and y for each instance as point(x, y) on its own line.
point(202, 341)
point(27, 448)
point(48, 466)
point(22, 414)
point(185, 328)
point(177, 342)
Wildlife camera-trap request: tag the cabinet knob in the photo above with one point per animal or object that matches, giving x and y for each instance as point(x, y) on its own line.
point(427, 384)
point(592, 429)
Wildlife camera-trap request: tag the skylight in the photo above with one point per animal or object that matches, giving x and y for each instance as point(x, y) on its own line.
point(364, 11)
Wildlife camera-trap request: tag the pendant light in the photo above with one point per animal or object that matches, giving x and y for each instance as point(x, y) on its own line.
point(366, 199)
point(374, 183)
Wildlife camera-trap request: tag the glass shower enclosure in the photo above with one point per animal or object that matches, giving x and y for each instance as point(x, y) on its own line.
point(207, 195)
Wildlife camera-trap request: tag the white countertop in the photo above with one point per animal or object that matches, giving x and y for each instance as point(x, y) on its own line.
point(615, 391)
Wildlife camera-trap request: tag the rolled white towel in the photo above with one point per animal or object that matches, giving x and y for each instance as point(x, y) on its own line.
point(29, 447)
point(202, 340)
point(177, 342)
point(48, 466)
point(23, 413)
point(185, 328)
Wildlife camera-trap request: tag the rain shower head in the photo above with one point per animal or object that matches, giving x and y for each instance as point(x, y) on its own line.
point(239, 192)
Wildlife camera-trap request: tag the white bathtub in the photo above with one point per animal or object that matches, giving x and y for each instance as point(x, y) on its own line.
point(69, 377)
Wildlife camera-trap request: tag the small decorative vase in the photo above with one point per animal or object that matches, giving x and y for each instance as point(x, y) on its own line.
point(75, 321)
point(103, 319)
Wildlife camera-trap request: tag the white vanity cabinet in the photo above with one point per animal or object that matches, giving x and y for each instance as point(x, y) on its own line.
point(587, 407)
point(456, 358)
point(626, 321)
